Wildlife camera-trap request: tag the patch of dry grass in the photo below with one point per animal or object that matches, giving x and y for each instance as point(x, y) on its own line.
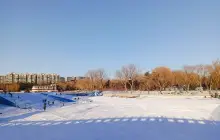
point(122, 95)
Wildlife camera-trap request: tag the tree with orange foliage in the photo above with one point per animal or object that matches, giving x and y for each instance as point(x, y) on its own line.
point(83, 84)
point(145, 82)
point(116, 84)
point(12, 87)
point(190, 76)
point(214, 75)
point(179, 78)
point(194, 80)
point(61, 86)
point(162, 77)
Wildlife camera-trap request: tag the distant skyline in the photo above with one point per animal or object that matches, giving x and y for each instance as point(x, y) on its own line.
point(71, 37)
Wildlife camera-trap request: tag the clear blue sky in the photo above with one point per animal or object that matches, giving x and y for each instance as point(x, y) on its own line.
point(71, 37)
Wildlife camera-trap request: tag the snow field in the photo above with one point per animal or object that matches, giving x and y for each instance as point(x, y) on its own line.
point(109, 118)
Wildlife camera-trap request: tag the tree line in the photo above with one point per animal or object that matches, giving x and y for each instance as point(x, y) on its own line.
point(129, 77)
point(15, 87)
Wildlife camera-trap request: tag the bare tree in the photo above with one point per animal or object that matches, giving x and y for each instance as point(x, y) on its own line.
point(91, 76)
point(128, 74)
point(202, 71)
point(96, 78)
point(188, 71)
point(119, 75)
point(132, 73)
point(100, 75)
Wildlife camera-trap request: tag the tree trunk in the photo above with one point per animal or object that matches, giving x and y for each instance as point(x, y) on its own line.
point(125, 87)
point(188, 88)
point(161, 90)
point(210, 86)
point(132, 86)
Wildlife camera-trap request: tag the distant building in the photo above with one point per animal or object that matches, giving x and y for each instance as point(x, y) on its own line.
point(30, 78)
point(2, 79)
point(46, 88)
point(75, 78)
point(62, 79)
point(11, 78)
point(79, 78)
point(69, 79)
point(21, 78)
point(33, 78)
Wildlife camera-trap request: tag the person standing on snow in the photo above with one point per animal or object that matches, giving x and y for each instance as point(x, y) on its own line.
point(45, 106)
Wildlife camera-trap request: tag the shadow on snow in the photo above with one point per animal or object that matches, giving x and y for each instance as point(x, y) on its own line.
point(126, 128)
point(22, 116)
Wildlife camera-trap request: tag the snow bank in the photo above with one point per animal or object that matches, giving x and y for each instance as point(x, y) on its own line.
point(216, 114)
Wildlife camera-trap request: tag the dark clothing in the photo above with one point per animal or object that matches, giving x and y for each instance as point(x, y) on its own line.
point(45, 106)
point(10, 94)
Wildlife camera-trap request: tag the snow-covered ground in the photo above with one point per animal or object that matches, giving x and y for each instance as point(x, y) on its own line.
point(153, 117)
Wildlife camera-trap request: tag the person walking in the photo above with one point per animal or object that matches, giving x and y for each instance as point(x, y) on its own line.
point(10, 94)
point(45, 106)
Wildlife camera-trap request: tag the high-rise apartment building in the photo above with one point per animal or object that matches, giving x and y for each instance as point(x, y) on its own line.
point(79, 77)
point(75, 78)
point(22, 78)
point(34, 78)
point(30, 78)
point(62, 79)
point(12, 78)
point(69, 79)
point(2, 79)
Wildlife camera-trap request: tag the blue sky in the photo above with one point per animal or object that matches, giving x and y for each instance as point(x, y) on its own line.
point(71, 37)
